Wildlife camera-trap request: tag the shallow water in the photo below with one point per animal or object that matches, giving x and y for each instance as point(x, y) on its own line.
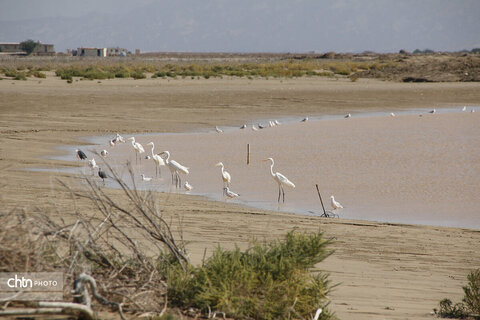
point(403, 169)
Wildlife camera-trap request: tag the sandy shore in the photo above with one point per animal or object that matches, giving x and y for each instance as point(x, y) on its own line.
point(385, 270)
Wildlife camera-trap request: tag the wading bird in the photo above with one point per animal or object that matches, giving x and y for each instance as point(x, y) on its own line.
point(174, 167)
point(218, 129)
point(80, 154)
point(225, 175)
point(119, 138)
point(138, 149)
point(146, 178)
point(335, 204)
point(187, 186)
point(280, 179)
point(229, 193)
point(253, 128)
point(102, 174)
point(92, 164)
point(157, 159)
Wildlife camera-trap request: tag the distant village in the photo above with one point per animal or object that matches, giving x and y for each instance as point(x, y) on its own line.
point(42, 49)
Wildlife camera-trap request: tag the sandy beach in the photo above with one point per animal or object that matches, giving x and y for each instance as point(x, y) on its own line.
point(416, 166)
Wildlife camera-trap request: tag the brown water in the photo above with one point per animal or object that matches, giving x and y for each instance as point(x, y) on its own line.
point(407, 169)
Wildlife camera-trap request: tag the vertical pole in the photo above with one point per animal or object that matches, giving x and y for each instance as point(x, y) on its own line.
point(248, 153)
point(321, 201)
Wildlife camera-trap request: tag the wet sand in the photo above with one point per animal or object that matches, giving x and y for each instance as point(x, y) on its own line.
point(393, 271)
point(403, 169)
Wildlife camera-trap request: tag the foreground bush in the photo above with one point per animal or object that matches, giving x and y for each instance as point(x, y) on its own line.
point(472, 292)
point(267, 281)
point(469, 308)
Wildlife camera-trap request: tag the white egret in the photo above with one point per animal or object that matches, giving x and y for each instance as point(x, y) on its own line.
point(146, 178)
point(187, 186)
point(103, 153)
point(138, 148)
point(464, 108)
point(335, 204)
point(92, 164)
point(80, 154)
point(158, 160)
point(276, 122)
point(218, 129)
point(392, 114)
point(225, 175)
point(253, 128)
point(174, 167)
point(230, 193)
point(280, 179)
point(271, 123)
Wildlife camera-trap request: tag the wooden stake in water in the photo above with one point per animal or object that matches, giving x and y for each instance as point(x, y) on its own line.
point(321, 201)
point(248, 153)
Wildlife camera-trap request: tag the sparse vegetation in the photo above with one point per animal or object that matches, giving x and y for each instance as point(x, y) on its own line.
point(424, 64)
point(472, 293)
point(469, 308)
point(129, 248)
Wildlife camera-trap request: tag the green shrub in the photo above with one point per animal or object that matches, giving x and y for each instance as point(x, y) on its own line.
point(94, 73)
point(263, 282)
point(470, 307)
point(138, 75)
point(450, 310)
point(472, 292)
point(122, 73)
point(20, 76)
point(11, 73)
point(38, 74)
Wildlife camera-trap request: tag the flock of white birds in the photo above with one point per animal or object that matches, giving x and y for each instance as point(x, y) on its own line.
point(163, 159)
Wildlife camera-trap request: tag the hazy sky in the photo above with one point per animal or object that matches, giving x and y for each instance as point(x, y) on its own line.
point(245, 25)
